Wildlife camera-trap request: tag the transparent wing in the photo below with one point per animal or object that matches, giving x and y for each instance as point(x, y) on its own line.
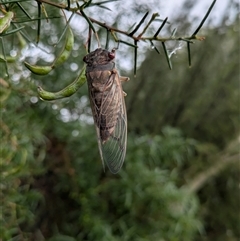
point(112, 150)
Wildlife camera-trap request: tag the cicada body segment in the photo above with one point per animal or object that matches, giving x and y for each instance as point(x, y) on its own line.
point(108, 107)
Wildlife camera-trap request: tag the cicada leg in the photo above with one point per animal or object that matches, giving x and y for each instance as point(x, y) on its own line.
point(124, 79)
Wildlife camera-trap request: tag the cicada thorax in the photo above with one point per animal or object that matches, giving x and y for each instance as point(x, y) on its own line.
point(108, 106)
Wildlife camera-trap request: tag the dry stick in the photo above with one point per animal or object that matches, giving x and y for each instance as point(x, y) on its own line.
point(199, 181)
point(230, 155)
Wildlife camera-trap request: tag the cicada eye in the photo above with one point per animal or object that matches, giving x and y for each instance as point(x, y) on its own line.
point(111, 55)
point(85, 59)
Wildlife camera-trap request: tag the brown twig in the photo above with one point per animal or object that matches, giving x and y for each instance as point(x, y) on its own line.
point(130, 35)
point(227, 157)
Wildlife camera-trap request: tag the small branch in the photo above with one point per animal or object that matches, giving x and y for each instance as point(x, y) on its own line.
point(172, 38)
point(80, 10)
point(230, 155)
point(130, 35)
point(201, 179)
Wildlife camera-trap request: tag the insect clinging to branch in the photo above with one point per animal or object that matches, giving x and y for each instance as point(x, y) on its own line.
point(108, 106)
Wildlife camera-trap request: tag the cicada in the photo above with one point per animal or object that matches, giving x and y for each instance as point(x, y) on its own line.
point(108, 106)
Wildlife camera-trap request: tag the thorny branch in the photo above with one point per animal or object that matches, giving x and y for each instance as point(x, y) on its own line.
point(139, 37)
point(133, 34)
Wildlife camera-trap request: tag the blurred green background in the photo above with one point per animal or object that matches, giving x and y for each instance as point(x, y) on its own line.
point(180, 179)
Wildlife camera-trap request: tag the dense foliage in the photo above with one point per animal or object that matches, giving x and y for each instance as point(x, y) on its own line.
point(181, 174)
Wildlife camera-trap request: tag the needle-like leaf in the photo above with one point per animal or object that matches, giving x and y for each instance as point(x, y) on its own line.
point(189, 54)
point(132, 26)
point(4, 58)
point(24, 20)
point(89, 39)
point(88, 20)
point(68, 4)
point(107, 40)
point(205, 17)
point(103, 2)
point(12, 31)
point(150, 21)
point(139, 24)
point(127, 43)
point(23, 9)
point(65, 29)
point(39, 21)
point(173, 32)
point(135, 58)
point(167, 56)
point(14, 1)
point(154, 47)
point(160, 28)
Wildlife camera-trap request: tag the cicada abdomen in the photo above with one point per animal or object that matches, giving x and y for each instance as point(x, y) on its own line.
point(108, 106)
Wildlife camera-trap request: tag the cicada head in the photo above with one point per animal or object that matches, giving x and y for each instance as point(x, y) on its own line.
point(99, 57)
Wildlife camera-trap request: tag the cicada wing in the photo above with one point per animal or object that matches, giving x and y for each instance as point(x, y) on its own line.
point(96, 122)
point(100, 145)
point(112, 150)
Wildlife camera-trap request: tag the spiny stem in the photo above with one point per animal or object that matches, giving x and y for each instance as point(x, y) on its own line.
point(139, 37)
